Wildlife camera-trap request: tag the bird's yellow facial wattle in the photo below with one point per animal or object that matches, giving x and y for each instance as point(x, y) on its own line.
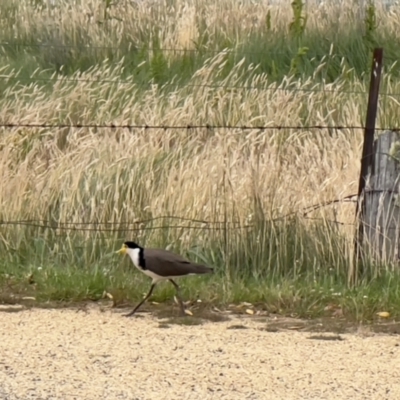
point(122, 250)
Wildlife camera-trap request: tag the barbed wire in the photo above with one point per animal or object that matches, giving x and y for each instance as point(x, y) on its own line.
point(183, 86)
point(212, 86)
point(115, 230)
point(188, 126)
point(123, 226)
point(132, 47)
point(141, 49)
point(226, 226)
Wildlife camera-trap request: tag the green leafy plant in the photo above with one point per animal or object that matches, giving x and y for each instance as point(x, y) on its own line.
point(298, 25)
point(297, 59)
point(370, 25)
point(268, 20)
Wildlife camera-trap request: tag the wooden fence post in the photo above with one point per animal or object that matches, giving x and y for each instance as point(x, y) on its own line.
point(367, 154)
point(381, 218)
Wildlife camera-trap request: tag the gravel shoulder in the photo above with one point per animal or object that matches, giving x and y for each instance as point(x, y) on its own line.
point(98, 354)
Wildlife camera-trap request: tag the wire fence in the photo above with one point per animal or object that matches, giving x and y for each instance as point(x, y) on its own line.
point(131, 82)
point(157, 49)
point(99, 227)
point(191, 126)
point(142, 49)
point(182, 222)
point(151, 49)
point(175, 84)
point(164, 222)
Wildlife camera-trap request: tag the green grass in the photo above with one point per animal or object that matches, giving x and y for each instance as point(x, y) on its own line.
point(304, 298)
point(276, 57)
point(285, 272)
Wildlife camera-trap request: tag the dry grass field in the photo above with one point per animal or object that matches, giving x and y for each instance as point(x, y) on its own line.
point(230, 197)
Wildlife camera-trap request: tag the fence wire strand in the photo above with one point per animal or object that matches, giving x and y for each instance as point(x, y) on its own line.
point(150, 49)
point(132, 47)
point(124, 226)
point(187, 126)
point(193, 86)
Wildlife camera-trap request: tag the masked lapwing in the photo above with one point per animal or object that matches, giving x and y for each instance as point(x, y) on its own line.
point(161, 265)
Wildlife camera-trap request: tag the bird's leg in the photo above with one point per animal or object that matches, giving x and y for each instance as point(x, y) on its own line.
point(178, 296)
point(147, 296)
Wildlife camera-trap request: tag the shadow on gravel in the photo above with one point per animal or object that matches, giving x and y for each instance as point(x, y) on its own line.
point(168, 315)
point(330, 325)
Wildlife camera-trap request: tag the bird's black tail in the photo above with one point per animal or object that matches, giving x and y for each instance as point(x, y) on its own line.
point(202, 269)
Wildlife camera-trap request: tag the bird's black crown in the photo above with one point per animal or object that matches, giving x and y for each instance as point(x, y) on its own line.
point(132, 245)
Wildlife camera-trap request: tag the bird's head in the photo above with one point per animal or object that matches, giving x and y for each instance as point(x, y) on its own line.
point(126, 246)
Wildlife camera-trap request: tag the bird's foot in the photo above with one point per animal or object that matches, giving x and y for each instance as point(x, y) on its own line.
point(182, 313)
point(129, 314)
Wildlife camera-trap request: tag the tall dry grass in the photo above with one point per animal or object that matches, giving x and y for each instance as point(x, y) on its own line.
point(210, 174)
point(75, 35)
point(177, 23)
point(121, 175)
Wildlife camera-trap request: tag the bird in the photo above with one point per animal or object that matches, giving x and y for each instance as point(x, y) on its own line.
point(161, 265)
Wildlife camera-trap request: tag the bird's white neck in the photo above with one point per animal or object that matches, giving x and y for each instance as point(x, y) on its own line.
point(134, 254)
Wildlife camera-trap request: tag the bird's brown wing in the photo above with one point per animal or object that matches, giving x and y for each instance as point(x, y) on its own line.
point(165, 263)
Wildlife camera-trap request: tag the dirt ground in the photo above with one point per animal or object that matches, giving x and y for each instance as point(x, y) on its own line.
point(99, 354)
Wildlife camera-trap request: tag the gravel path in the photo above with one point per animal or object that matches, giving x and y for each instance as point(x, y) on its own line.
point(65, 354)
